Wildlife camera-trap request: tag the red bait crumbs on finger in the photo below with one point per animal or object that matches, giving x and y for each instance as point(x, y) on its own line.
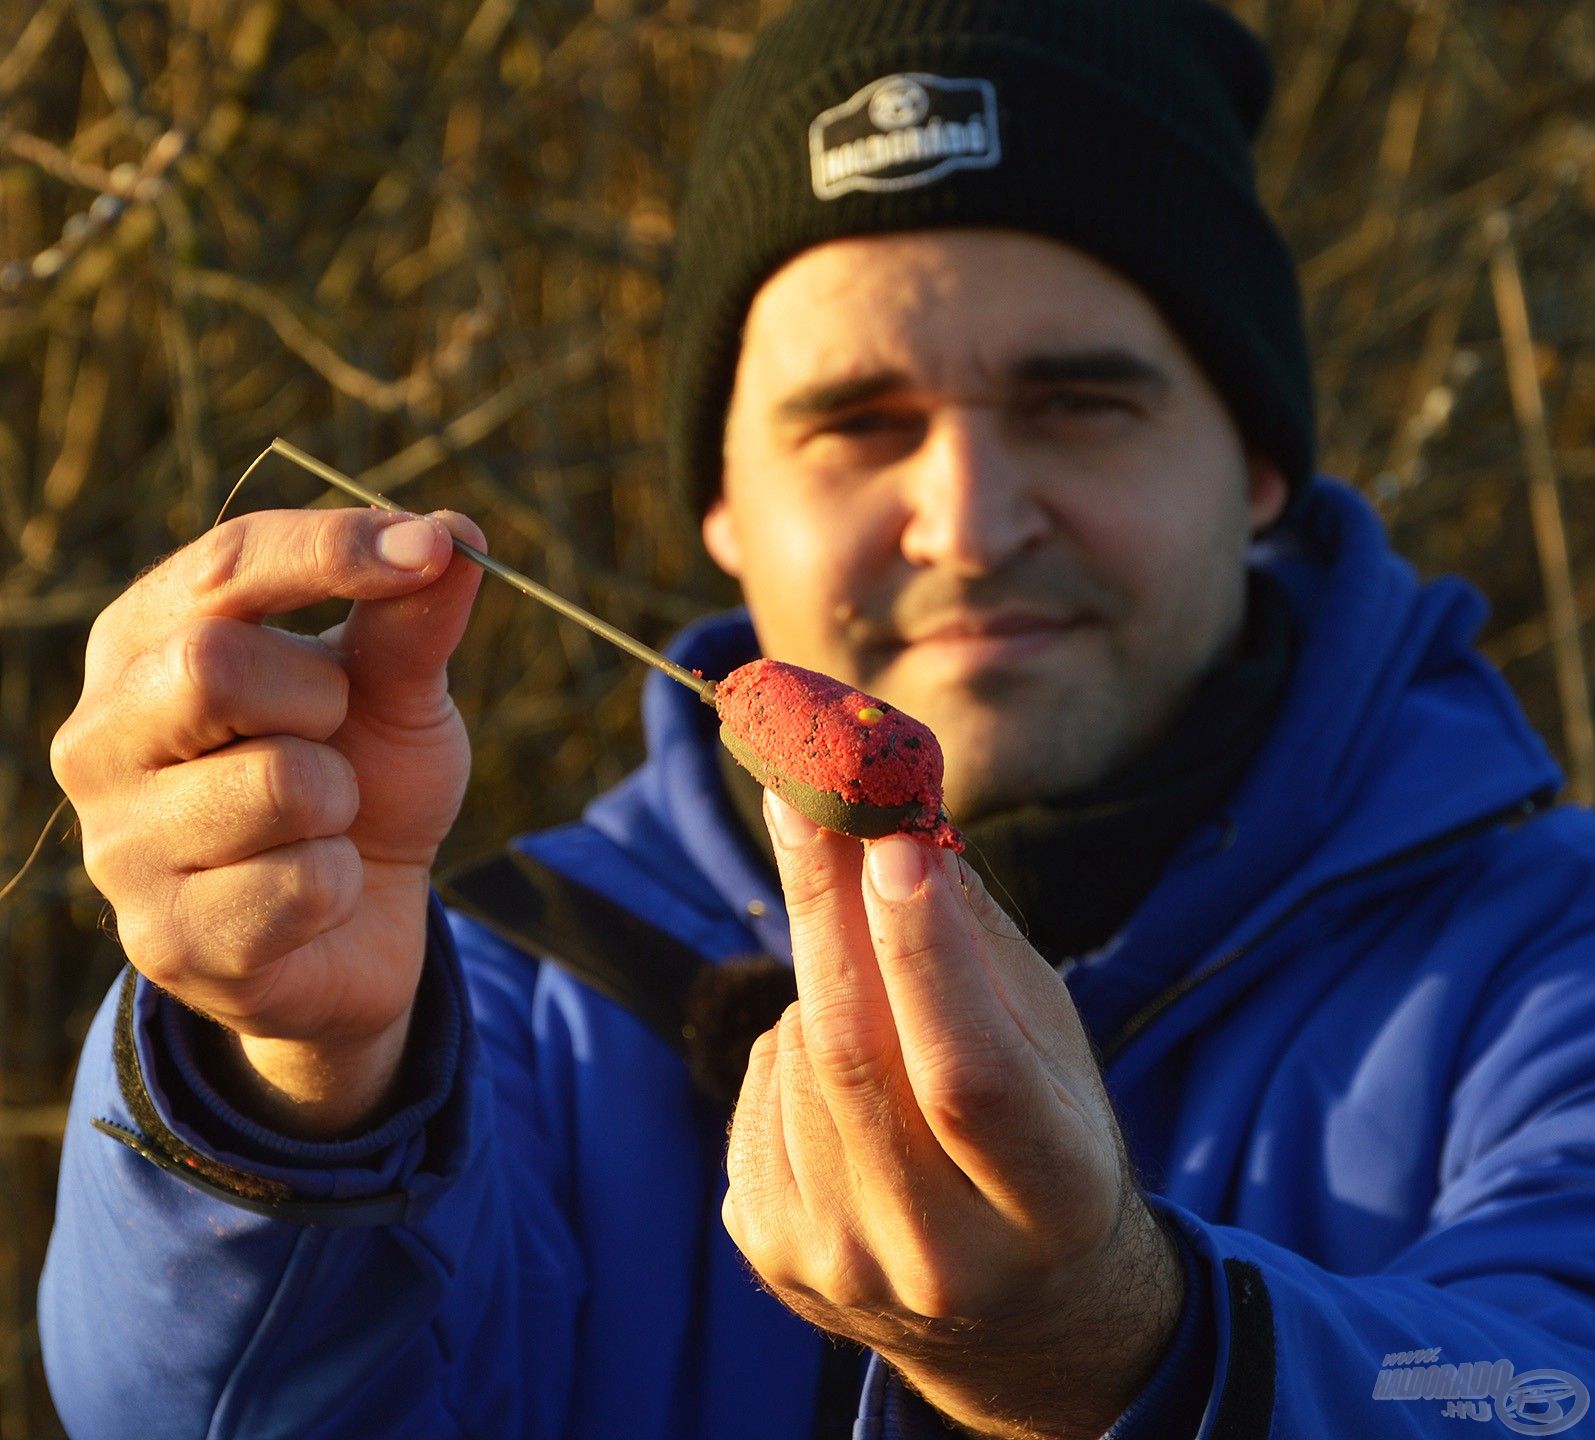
point(850, 762)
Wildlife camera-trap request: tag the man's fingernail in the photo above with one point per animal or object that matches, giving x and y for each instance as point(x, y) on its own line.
point(791, 827)
point(409, 545)
point(896, 865)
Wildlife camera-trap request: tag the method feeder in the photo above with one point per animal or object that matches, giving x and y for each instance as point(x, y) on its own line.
point(850, 762)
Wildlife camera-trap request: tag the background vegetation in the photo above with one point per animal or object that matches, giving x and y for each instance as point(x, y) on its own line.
point(425, 239)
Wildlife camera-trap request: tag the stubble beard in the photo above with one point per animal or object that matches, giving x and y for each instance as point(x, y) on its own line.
point(1004, 749)
point(1009, 742)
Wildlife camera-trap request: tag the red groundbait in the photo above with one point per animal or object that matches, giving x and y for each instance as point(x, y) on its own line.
point(850, 762)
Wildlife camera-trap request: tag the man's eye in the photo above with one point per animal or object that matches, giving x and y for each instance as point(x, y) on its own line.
point(861, 424)
point(1076, 402)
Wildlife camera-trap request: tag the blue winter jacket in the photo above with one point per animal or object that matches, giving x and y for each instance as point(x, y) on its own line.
point(1350, 1035)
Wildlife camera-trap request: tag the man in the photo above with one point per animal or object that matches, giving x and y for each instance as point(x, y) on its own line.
point(988, 382)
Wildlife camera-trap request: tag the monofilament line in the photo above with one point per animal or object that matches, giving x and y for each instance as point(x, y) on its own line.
point(38, 847)
point(704, 689)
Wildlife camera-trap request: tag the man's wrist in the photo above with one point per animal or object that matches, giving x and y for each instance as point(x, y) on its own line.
point(306, 1090)
point(196, 1077)
point(1069, 1367)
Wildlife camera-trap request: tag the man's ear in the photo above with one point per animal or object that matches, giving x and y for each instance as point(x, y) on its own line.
point(721, 540)
point(1267, 492)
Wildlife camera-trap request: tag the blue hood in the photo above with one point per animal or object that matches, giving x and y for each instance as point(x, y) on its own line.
point(1394, 733)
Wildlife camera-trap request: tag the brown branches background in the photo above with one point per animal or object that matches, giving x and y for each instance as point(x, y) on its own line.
point(427, 242)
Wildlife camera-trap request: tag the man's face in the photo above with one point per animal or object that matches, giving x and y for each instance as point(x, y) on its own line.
point(975, 473)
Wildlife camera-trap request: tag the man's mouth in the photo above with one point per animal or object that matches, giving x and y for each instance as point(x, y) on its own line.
point(976, 642)
point(993, 625)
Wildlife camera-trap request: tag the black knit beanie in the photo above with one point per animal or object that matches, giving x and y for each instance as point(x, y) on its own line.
point(1121, 127)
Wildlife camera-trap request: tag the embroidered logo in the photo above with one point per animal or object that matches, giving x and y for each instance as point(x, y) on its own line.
point(902, 131)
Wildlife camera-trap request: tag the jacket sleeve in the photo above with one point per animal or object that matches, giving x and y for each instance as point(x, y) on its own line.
point(207, 1277)
point(1489, 1314)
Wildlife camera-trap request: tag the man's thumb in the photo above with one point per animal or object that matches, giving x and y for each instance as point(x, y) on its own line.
point(396, 651)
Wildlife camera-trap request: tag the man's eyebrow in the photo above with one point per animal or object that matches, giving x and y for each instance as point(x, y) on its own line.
point(1107, 366)
point(830, 396)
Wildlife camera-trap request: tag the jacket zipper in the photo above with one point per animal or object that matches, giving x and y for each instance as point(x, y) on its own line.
point(1515, 814)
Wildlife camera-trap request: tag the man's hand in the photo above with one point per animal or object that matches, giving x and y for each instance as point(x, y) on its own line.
point(923, 1157)
point(262, 809)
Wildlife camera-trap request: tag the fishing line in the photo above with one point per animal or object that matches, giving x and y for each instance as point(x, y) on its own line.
point(996, 879)
point(233, 493)
point(38, 845)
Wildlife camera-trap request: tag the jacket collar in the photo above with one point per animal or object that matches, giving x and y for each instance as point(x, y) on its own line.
point(1394, 732)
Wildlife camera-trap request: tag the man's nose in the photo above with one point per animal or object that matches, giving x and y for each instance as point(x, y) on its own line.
point(971, 502)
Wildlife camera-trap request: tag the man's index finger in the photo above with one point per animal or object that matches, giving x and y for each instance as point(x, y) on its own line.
point(275, 561)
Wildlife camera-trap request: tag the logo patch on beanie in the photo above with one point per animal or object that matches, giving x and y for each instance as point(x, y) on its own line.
point(902, 131)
